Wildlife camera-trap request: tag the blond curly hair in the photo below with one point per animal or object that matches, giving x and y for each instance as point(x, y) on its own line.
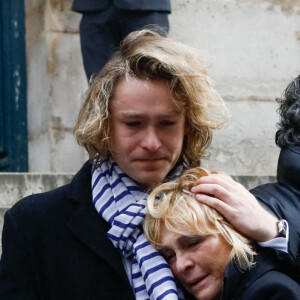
point(147, 55)
point(172, 205)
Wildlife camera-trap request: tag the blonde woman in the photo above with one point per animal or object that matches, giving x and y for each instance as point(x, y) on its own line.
point(206, 254)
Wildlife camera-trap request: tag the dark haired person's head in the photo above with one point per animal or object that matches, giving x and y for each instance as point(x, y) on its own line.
point(289, 111)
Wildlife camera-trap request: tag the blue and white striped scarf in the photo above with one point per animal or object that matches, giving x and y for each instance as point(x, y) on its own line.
point(122, 204)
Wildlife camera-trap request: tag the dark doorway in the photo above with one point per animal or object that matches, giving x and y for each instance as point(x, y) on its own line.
point(13, 106)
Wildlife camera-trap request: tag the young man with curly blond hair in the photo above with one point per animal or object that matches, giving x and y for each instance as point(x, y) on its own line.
point(147, 116)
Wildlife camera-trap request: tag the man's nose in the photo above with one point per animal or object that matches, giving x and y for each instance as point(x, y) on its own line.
point(151, 140)
point(184, 262)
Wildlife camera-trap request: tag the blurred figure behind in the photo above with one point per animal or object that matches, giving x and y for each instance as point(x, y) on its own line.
point(105, 23)
point(283, 197)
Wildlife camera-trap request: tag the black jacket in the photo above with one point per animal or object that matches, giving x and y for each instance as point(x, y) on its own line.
point(96, 5)
point(55, 247)
point(283, 197)
point(263, 282)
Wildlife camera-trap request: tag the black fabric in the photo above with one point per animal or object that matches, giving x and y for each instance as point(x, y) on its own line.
point(288, 170)
point(96, 5)
point(55, 247)
point(283, 198)
point(264, 281)
point(101, 31)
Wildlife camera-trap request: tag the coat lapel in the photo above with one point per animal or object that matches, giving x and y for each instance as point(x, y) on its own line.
point(87, 225)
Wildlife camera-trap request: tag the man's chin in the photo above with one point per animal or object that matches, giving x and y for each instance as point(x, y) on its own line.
point(150, 181)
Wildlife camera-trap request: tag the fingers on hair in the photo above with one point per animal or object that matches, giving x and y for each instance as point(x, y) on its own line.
point(173, 206)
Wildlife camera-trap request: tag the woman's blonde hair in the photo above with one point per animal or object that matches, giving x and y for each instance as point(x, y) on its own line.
point(147, 55)
point(173, 205)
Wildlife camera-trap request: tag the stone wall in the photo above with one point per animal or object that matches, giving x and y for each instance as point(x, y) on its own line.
point(253, 48)
point(56, 83)
point(14, 186)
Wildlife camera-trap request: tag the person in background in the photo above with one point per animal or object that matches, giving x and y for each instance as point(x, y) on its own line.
point(206, 254)
point(105, 23)
point(147, 116)
point(283, 197)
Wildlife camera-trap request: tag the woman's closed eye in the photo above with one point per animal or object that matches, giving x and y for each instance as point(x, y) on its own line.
point(167, 254)
point(190, 242)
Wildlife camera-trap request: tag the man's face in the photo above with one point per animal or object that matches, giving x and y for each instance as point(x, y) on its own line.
point(146, 130)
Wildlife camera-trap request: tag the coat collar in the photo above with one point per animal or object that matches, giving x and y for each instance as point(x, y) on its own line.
point(289, 167)
point(87, 225)
point(236, 281)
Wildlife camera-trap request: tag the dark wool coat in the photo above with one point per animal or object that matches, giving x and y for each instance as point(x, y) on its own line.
point(55, 247)
point(262, 282)
point(283, 197)
point(105, 23)
point(95, 5)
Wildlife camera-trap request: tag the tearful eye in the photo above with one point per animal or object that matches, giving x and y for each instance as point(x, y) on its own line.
point(168, 123)
point(133, 124)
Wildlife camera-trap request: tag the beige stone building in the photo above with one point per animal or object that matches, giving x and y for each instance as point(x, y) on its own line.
point(253, 52)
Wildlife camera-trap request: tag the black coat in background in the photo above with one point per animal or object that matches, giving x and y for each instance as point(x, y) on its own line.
point(105, 23)
point(96, 5)
point(55, 247)
point(283, 197)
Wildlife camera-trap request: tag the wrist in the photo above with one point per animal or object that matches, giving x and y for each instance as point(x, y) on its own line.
point(270, 230)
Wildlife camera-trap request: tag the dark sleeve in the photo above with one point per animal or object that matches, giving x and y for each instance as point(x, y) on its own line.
point(290, 261)
point(16, 277)
point(273, 285)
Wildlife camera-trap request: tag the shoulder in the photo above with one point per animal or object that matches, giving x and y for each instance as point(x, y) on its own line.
point(280, 200)
point(50, 210)
point(271, 197)
point(38, 209)
point(273, 285)
point(56, 199)
point(33, 202)
point(265, 190)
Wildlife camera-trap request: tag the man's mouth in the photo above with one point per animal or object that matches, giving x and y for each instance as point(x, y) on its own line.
point(150, 159)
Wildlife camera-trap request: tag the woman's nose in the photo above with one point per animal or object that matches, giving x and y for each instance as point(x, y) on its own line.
point(184, 262)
